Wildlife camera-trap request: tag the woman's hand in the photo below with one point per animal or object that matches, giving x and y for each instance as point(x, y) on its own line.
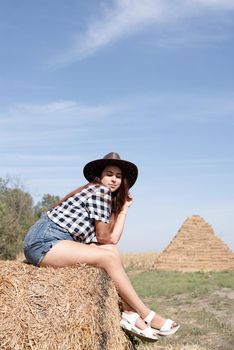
point(103, 233)
point(128, 202)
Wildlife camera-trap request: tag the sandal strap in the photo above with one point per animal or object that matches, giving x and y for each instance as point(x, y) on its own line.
point(166, 327)
point(149, 317)
point(130, 318)
point(128, 322)
point(148, 332)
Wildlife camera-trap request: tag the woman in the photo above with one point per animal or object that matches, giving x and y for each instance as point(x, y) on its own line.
point(85, 226)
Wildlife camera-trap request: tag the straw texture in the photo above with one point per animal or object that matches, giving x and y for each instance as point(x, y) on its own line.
point(73, 308)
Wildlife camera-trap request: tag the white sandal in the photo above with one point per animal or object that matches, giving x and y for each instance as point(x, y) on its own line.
point(128, 322)
point(166, 327)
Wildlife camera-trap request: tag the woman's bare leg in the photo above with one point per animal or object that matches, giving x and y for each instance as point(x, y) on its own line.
point(67, 253)
point(158, 322)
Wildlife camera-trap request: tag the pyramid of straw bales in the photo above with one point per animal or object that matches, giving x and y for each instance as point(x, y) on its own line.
point(196, 248)
point(73, 308)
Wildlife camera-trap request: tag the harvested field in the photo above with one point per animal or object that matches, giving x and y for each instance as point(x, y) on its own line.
point(139, 261)
point(201, 302)
point(73, 308)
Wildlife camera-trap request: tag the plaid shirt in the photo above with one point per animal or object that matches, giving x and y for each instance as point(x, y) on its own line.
point(78, 213)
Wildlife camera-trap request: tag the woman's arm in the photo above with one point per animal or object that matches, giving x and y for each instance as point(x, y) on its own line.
point(103, 231)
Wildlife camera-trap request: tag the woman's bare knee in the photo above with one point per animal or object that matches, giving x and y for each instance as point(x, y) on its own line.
point(112, 248)
point(110, 258)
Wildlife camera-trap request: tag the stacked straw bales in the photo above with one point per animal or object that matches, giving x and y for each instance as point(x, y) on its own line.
point(73, 308)
point(196, 248)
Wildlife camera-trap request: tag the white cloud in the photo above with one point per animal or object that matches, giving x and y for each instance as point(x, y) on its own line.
point(210, 108)
point(207, 106)
point(69, 118)
point(54, 111)
point(39, 126)
point(127, 17)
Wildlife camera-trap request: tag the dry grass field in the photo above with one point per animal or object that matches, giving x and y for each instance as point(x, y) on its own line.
point(203, 303)
point(139, 261)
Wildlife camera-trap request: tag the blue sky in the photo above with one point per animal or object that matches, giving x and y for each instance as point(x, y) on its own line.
point(152, 80)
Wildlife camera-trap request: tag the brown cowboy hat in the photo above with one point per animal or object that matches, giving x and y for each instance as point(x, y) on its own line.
point(94, 169)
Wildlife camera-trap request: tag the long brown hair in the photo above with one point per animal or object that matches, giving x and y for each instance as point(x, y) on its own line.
point(118, 198)
point(70, 194)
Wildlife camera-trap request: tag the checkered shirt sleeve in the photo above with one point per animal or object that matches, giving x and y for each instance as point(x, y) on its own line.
point(98, 205)
point(78, 213)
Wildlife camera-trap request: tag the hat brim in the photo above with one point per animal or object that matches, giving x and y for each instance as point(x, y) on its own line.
point(93, 169)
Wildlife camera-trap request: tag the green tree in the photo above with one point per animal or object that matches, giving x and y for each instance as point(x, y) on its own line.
point(16, 216)
point(46, 202)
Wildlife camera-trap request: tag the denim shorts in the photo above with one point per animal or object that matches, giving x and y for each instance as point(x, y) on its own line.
point(41, 237)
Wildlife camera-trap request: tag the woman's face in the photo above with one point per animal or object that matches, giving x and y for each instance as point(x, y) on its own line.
point(111, 177)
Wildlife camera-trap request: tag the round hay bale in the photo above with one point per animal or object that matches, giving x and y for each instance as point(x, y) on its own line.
point(70, 308)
